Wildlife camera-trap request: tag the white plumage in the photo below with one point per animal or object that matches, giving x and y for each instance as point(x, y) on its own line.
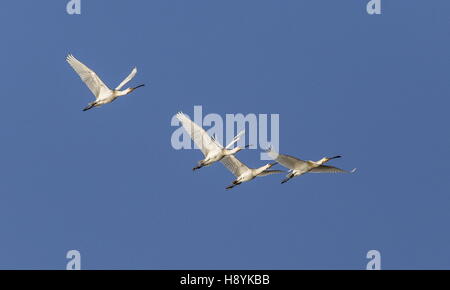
point(103, 94)
point(299, 167)
point(243, 172)
point(210, 147)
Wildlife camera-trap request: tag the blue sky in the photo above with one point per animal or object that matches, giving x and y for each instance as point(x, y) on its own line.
point(108, 183)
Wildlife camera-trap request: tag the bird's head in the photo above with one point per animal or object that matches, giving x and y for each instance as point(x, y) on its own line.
point(129, 90)
point(326, 159)
point(237, 149)
point(323, 160)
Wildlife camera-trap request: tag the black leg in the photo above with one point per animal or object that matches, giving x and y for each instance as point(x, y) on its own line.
point(90, 106)
point(287, 178)
point(197, 167)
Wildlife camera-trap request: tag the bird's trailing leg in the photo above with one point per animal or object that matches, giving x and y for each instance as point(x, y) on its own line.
point(200, 165)
point(288, 177)
point(235, 183)
point(90, 106)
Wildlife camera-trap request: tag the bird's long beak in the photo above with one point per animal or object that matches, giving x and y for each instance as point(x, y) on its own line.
point(273, 164)
point(132, 89)
point(138, 87)
point(338, 156)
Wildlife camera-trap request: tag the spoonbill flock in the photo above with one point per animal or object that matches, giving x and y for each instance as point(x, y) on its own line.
point(212, 150)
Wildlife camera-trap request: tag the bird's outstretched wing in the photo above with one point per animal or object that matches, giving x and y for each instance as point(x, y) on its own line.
point(286, 160)
point(235, 139)
point(215, 141)
point(330, 169)
point(269, 172)
point(200, 137)
point(127, 79)
point(88, 76)
point(234, 165)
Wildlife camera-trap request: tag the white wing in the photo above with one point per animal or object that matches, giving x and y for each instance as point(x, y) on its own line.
point(235, 139)
point(216, 142)
point(88, 76)
point(286, 160)
point(128, 78)
point(234, 165)
point(329, 169)
point(198, 135)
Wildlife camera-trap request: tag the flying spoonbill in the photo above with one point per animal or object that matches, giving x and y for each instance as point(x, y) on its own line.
point(210, 147)
point(299, 167)
point(103, 94)
point(243, 173)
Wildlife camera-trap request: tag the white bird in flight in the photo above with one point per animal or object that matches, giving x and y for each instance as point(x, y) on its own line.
point(299, 167)
point(243, 173)
point(103, 94)
point(210, 147)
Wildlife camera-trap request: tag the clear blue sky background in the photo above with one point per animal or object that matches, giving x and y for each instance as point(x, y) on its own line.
point(107, 182)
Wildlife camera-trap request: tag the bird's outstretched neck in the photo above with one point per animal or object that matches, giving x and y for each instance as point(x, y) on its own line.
point(129, 90)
